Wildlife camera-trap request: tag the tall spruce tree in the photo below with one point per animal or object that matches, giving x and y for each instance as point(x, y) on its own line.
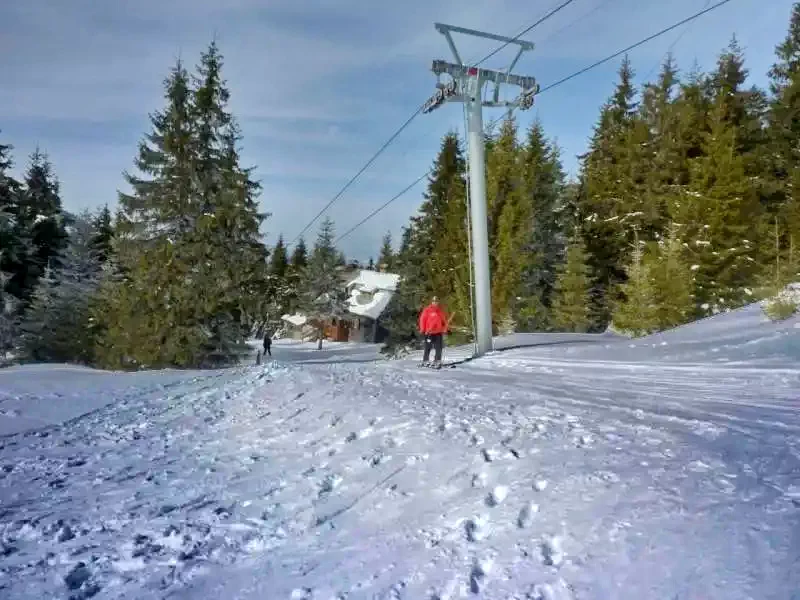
point(635, 312)
point(40, 223)
point(188, 238)
point(572, 293)
point(146, 324)
point(386, 254)
point(433, 257)
point(104, 234)
point(281, 295)
point(299, 255)
point(784, 129)
point(11, 248)
point(543, 243)
point(279, 262)
point(509, 219)
point(56, 326)
point(441, 227)
point(324, 294)
point(611, 191)
point(8, 316)
point(723, 219)
point(672, 280)
point(400, 316)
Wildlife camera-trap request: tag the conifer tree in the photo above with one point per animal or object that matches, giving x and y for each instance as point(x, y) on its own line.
point(724, 220)
point(56, 326)
point(295, 272)
point(8, 316)
point(673, 283)
point(441, 233)
point(188, 240)
point(612, 182)
point(11, 249)
point(635, 313)
point(299, 255)
point(543, 243)
point(281, 294)
point(784, 128)
point(324, 294)
point(572, 293)
point(400, 316)
point(386, 254)
point(509, 221)
point(40, 224)
point(104, 234)
point(279, 262)
point(145, 324)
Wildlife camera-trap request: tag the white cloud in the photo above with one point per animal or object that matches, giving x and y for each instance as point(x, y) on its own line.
point(319, 85)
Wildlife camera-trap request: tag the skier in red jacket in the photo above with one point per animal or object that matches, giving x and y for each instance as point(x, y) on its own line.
point(433, 324)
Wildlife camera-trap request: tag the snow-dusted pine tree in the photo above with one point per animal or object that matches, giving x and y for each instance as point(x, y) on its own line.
point(55, 327)
point(324, 294)
point(8, 320)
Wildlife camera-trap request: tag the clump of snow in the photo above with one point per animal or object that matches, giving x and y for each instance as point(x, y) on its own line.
point(477, 528)
point(526, 514)
point(552, 551)
point(540, 485)
point(559, 590)
point(497, 495)
point(784, 304)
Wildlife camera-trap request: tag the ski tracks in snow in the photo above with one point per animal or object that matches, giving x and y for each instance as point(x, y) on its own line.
point(496, 480)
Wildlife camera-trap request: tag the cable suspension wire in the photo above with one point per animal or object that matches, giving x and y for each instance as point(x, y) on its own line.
point(633, 46)
point(383, 206)
point(353, 179)
point(408, 121)
point(671, 47)
point(538, 22)
point(399, 195)
point(565, 80)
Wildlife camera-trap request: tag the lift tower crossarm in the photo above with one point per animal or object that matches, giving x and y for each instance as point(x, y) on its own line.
point(445, 30)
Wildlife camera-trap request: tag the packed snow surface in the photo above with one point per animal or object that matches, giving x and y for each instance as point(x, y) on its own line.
point(578, 468)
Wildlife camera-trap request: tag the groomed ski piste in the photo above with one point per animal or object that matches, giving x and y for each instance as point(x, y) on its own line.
point(580, 467)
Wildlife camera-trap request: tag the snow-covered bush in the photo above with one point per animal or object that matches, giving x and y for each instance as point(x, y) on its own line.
point(784, 304)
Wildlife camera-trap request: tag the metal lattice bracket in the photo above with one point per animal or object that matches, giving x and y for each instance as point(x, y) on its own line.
point(457, 88)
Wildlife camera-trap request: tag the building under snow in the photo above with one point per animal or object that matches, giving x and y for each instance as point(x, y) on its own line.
point(368, 295)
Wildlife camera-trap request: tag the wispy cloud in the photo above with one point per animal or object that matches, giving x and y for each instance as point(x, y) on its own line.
point(319, 85)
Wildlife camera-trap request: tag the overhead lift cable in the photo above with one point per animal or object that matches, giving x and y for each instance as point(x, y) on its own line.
point(556, 84)
point(413, 116)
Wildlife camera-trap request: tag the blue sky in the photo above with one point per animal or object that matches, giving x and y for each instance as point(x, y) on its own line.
point(318, 85)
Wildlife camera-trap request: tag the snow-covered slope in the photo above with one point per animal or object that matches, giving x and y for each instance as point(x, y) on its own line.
point(577, 470)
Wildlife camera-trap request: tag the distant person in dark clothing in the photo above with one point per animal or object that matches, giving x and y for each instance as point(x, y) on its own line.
point(268, 344)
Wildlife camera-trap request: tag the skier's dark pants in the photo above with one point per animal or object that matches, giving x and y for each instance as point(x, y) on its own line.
point(267, 349)
point(435, 341)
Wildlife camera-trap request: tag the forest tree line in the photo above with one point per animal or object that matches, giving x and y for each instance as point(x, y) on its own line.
point(687, 203)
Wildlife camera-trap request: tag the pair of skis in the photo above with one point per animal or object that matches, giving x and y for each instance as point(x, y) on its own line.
point(436, 367)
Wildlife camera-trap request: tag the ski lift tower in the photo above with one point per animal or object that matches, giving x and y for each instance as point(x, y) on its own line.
point(466, 85)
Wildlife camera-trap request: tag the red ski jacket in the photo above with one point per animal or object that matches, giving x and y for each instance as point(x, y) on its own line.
point(432, 320)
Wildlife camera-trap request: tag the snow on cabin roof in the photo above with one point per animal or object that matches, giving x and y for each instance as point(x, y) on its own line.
point(297, 320)
point(366, 304)
point(374, 280)
point(370, 293)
